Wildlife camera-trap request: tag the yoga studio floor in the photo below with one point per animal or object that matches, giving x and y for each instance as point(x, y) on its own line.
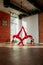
point(21, 55)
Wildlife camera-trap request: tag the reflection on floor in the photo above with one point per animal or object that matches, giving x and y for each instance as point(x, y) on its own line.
point(10, 45)
point(21, 56)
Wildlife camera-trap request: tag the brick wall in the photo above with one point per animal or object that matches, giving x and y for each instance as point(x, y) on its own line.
point(41, 27)
point(4, 30)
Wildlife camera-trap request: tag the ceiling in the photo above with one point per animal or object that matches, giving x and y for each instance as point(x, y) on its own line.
point(24, 3)
point(21, 7)
point(9, 10)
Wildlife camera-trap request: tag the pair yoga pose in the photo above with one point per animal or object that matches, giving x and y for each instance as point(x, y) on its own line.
point(25, 37)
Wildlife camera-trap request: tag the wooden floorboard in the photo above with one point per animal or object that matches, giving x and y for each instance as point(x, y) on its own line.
point(21, 56)
point(20, 46)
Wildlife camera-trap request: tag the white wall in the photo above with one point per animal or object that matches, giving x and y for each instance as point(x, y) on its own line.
point(32, 26)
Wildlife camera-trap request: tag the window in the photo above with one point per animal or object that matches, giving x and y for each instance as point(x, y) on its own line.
point(14, 26)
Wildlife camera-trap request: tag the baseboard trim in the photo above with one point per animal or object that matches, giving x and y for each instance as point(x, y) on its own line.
point(41, 43)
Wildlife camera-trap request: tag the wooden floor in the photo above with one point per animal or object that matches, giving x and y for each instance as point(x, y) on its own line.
point(28, 46)
point(21, 55)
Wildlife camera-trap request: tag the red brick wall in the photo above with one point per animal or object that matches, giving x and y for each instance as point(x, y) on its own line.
point(41, 27)
point(4, 30)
